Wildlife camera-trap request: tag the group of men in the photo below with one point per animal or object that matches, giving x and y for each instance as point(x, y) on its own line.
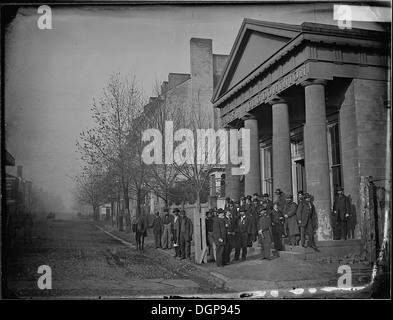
point(173, 230)
point(241, 223)
point(267, 221)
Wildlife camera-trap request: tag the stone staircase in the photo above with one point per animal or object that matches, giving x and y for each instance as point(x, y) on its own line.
point(327, 248)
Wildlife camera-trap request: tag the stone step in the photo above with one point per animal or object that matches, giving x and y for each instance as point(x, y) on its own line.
point(299, 249)
point(292, 255)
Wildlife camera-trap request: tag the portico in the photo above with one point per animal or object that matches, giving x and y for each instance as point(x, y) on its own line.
point(294, 94)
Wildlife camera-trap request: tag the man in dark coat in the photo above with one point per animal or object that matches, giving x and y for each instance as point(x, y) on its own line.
point(289, 212)
point(307, 222)
point(341, 212)
point(209, 234)
point(277, 227)
point(176, 232)
point(220, 236)
point(352, 220)
point(157, 228)
point(264, 225)
point(167, 223)
point(186, 231)
point(230, 224)
point(279, 198)
point(252, 213)
point(242, 225)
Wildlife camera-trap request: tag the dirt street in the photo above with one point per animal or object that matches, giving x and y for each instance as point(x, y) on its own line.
point(87, 263)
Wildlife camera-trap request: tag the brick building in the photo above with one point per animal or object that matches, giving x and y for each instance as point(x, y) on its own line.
point(185, 92)
point(316, 100)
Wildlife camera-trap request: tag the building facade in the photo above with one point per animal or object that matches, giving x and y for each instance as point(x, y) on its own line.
point(315, 100)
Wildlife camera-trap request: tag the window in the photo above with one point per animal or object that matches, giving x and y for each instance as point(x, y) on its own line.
point(334, 156)
point(267, 179)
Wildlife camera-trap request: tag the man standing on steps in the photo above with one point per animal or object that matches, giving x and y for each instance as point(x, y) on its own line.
point(341, 212)
point(307, 221)
point(289, 212)
point(279, 198)
point(264, 225)
point(167, 223)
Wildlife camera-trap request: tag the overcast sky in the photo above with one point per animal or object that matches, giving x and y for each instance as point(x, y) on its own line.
point(52, 76)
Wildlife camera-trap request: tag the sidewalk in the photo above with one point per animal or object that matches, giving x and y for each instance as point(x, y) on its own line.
point(255, 275)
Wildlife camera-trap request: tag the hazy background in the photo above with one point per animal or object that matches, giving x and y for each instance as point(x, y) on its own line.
point(52, 76)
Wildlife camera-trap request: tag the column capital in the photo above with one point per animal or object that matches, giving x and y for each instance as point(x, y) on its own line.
point(248, 116)
point(277, 100)
point(314, 82)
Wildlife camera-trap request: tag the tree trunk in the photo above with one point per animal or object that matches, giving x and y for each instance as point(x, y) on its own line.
point(127, 212)
point(112, 209)
point(94, 213)
point(138, 202)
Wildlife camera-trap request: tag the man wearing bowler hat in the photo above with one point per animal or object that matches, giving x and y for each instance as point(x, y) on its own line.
point(341, 212)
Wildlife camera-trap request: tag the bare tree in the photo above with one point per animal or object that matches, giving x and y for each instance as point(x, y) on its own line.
point(91, 188)
point(163, 113)
point(111, 142)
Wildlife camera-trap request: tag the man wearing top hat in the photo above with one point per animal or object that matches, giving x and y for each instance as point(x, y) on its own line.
point(307, 221)
point(167, 223)
point(242, 226)
point(289, 213)
point(176, 232)
point(253, 213)
point(264, 225)
point(341, 212)
point(230, 223)
point(220, 236)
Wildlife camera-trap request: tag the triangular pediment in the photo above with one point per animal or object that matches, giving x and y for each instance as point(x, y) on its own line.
point(256, 42)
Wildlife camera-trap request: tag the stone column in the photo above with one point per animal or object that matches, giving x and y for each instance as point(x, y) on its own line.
point(281, 145)
point(316, 154)
point(233, 188)
point(253, 177)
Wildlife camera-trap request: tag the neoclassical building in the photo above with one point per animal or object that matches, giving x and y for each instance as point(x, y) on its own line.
point(315, 99)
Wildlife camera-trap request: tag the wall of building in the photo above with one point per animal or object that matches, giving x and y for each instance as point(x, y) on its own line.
point(363, 135)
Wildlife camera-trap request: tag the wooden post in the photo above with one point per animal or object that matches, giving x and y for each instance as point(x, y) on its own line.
point(199, 236)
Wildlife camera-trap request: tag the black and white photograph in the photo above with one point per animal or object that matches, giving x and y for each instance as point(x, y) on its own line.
point(196, 150)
